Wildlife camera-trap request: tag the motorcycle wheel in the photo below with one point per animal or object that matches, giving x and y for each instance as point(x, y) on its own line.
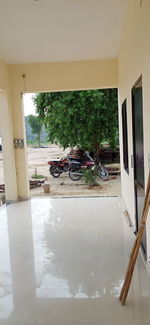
point(73, 176)
point(54, 172)
point(103, 173)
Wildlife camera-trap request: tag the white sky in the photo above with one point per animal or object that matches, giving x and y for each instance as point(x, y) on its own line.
point(29, 107)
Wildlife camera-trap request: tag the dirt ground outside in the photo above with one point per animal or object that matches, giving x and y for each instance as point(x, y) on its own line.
point(63, 186)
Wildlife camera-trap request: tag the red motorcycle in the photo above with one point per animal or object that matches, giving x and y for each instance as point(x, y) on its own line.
point(63, 165)
point(57, 167)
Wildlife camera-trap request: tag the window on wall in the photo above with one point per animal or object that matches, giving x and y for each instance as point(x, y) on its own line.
point(125, 136)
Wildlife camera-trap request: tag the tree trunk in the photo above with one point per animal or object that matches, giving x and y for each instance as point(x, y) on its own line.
point(97, 152)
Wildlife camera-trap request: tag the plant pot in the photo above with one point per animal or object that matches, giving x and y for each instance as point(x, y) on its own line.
point(46, 188)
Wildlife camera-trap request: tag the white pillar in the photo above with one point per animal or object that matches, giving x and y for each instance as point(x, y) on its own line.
point(8, 149)
point(20, 154)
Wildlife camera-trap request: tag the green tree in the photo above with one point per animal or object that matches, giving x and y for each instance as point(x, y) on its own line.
point(36, 125)
point(80, 118)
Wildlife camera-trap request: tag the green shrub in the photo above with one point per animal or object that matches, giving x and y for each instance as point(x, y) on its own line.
point(36, 176)
point(90, 177)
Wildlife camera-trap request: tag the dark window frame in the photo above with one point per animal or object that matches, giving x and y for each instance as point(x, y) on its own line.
point(125, 136)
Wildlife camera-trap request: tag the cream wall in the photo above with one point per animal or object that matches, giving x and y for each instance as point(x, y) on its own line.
point(134, 60)
point(42, 77)
point(7, 134)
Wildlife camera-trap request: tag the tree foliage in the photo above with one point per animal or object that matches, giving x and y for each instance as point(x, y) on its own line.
point(36, 126)
point(80, 118)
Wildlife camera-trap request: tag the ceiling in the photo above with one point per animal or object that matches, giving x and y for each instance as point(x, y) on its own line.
point(60, 30)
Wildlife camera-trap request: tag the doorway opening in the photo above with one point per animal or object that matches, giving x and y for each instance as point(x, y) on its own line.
point(73, 111)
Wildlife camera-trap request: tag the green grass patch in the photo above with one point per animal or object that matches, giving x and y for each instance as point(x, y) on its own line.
point(36, 176)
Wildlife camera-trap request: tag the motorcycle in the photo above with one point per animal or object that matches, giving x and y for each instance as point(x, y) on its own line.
point(57, 167)
point(76, 168)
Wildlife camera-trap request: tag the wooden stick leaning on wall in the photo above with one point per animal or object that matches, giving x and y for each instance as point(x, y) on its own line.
point(134, 258)
point(136, 247)
point(135, 243)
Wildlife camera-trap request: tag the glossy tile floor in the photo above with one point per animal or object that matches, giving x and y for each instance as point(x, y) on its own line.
point(62, 262)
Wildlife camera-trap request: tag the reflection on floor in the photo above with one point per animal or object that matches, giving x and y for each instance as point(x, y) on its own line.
point(2, 199)
point(62, 262)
